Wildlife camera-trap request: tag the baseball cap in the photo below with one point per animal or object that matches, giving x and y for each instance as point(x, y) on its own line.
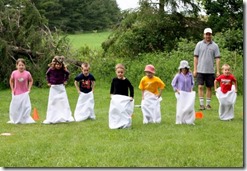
point(207, 30)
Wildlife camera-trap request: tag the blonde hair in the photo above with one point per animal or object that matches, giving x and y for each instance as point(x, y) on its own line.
point(119, 66)
point(85, 64)
point(225, 66)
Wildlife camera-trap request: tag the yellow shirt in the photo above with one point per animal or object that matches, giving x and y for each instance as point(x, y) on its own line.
point(151, 84)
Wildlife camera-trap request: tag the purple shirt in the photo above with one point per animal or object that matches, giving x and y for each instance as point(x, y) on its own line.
point(183, 82)
point(57, 76)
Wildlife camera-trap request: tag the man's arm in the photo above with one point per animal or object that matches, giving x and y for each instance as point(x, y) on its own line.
point(195, 66)
point(217, 66)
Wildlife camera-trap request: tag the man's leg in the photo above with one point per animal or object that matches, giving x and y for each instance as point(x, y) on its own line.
point(201, 96)
point(209, 84)
point(208, 97)
point(200, 82)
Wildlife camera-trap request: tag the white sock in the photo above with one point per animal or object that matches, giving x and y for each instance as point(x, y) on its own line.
point(208, 101)
point(201, 99)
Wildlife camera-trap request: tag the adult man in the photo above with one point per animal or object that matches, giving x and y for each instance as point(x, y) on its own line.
point(206, 51)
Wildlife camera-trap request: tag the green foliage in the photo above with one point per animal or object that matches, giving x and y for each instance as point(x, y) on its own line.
point(147, 30)
point(224, 14)
point(75, 15)
point(231, 39)
point(24, 34)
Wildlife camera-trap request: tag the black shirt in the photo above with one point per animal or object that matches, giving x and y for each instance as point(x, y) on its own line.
point(119, 86)
point(85, 82)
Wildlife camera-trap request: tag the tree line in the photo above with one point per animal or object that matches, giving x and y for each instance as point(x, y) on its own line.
point(79, 15)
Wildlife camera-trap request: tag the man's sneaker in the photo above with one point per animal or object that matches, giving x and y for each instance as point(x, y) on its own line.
point(202, 107)
point(208, 107)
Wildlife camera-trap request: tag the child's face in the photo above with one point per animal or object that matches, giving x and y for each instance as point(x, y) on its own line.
point(226, 71)
point(184, 70)
point(120, 73)
point(85, 71)
point(149, 74)
point(20, 66)
point(58, 66)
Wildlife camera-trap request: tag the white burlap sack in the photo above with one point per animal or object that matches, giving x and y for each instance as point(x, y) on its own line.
point(58, 109)
point(20, 109)
point(150, 106)
point(185, 111)
point(226, 103)
point(84, 107)
point(120, 112)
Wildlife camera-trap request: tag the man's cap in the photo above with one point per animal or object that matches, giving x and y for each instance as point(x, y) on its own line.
point(207, 30)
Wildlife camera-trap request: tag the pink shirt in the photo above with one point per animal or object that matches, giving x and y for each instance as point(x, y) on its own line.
point(21, 81)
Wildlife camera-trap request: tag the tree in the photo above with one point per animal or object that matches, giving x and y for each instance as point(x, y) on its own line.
point(224, 14)
point(24, 34)
point(77, 15)
point(148, 30)
point(226, 17)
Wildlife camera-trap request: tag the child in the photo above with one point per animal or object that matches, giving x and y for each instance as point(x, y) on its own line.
point(226, 93)
point(152, 88)
point(58, 109)
point(122, 103)
point(84, 83)
point(21, 83)
point(182, 84)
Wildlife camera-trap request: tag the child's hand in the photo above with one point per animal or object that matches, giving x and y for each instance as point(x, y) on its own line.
point(65, 83)
point(131, 98)
point(49, 84)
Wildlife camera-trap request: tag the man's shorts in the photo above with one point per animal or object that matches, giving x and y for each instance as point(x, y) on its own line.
point(208, 79)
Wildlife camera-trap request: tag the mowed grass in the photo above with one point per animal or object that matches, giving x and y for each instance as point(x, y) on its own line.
point(209, 143)
point(92, 40)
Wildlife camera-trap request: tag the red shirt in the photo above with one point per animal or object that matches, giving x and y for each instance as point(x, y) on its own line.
point(226, 82)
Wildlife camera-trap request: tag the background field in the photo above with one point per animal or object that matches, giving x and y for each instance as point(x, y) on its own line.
point(210, 143)
point(92, 40)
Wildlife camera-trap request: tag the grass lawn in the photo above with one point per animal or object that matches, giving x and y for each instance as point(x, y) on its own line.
point(209, 143)
point(85, 39)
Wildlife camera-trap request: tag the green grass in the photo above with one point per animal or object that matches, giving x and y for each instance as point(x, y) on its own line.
point(210, 143)
point(92, 40)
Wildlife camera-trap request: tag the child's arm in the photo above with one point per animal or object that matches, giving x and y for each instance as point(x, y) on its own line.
point(93, 85)
point(160, 93)
point(11, 83)
point(30, 84)
point(48, 77)
point(215, 85)
point(236, 87)
point(131, 89)
point(77, 86)
point(142, 94)
point(174, 83)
